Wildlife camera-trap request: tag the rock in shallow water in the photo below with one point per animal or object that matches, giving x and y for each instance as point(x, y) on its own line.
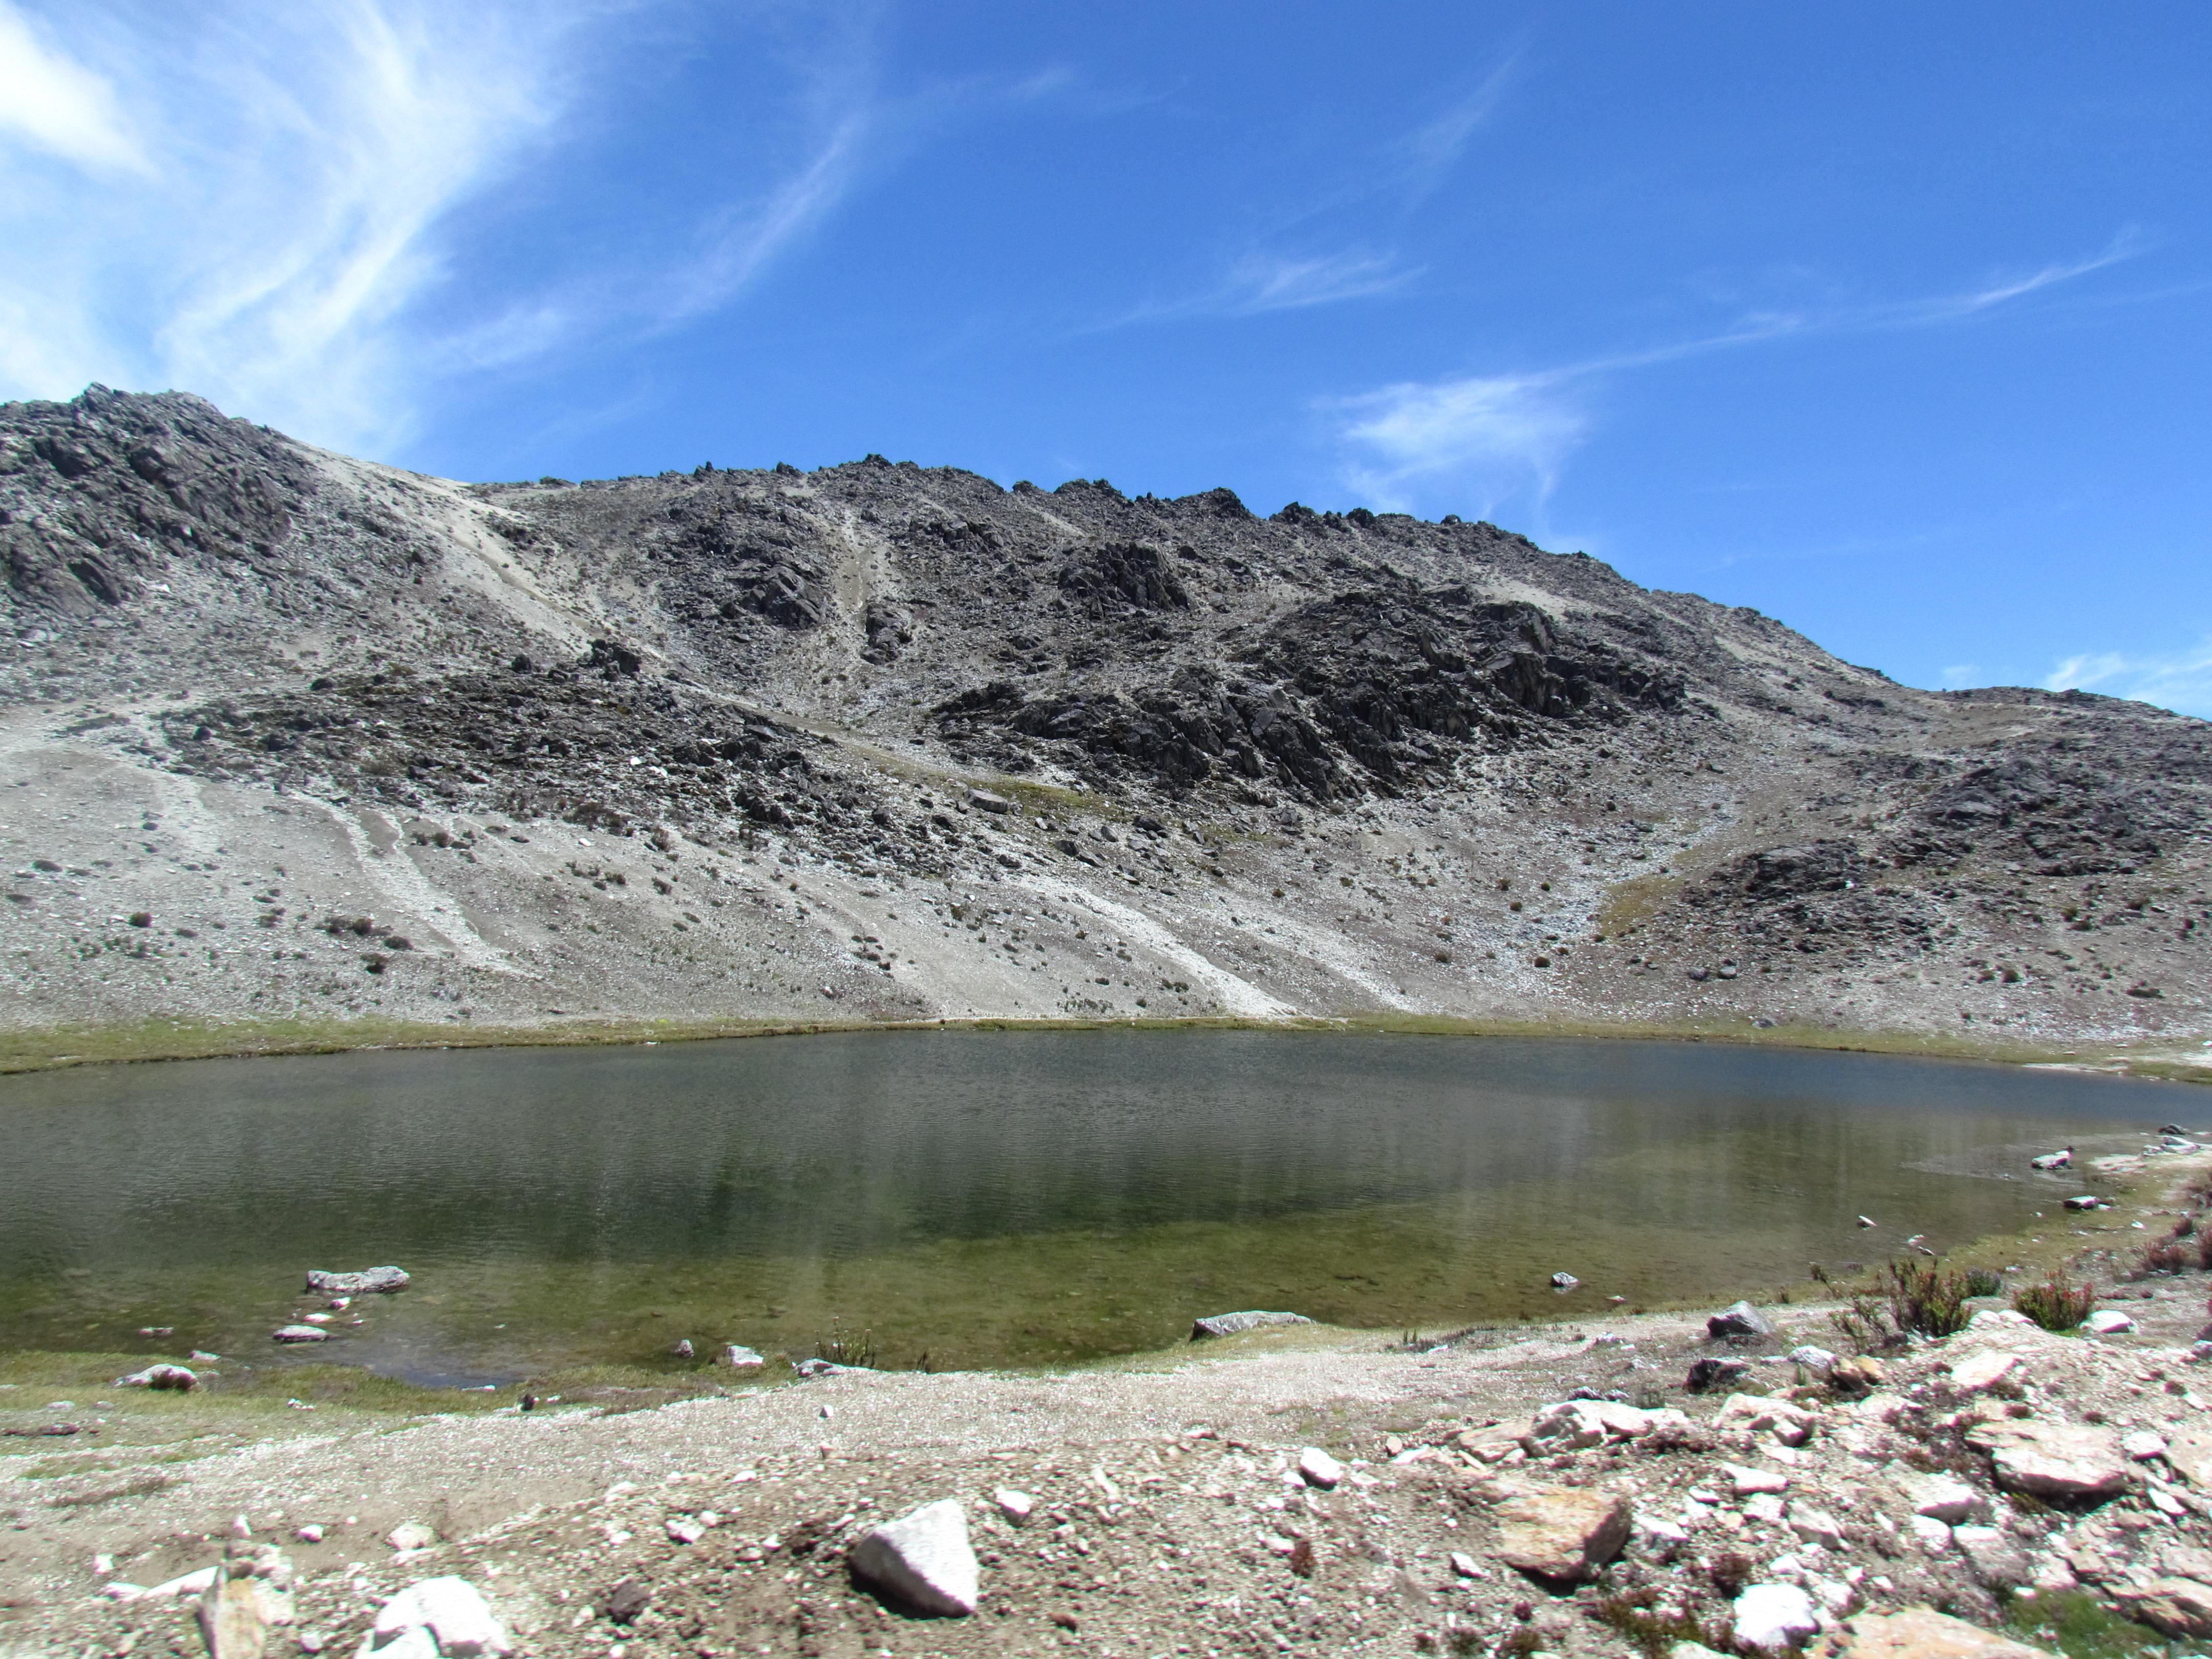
point(370, 1281)
point(924, 1560)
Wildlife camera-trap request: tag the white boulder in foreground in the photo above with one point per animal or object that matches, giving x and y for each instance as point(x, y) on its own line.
point(1773, 1617)
point(923, 1560)
point(1317, 1468)
point(438, 1619)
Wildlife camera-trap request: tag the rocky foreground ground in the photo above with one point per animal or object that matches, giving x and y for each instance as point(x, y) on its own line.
point(295, 745)
point(1287, 1490)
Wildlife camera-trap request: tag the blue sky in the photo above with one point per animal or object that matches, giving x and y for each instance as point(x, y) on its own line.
point(1893, 321)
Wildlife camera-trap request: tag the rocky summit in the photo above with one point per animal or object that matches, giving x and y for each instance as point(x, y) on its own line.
point(291, 738)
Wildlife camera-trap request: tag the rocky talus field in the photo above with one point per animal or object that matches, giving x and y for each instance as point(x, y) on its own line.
point(293, 744)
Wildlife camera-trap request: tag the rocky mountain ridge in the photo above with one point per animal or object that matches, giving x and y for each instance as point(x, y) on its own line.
point(293, 737)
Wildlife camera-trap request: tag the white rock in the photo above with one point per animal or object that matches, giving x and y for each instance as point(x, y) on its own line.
point(1465, 1566)
point(2108, 1321)
point(445, 1618)
point(1814, 1527)
point(1941, 1497)
point(923, 1558)
point(1982, 1370)
point(1745, 1481)
point(685, 1529)
point(742, 1359)
point(1015, 1506)
point(410, 1535)
point(1765, 1507)
point(1662, 1530)
point(191, 1584)
point(1317, 1468)
point(177, 1377)
point(1935, 1535)
point(1773, 1617)
point(2143, 1445)
point(1989, 1319)
point(300, 1334)
point(1817, 1360)
point(310, 1533)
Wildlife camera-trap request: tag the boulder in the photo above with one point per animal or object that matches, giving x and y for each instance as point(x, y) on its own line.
point(741, 1359)
point(1997, 1562)
point(1317, 1468)
point(1564, 1281)
point(1745, 1482)
point(300, 1334)
point(984, 801)
point(1707, 1375)
point(1921, 1633)
point(437, 1619)
point(1814, 1526)
point(2179, 1606)
point(2070, 1461)
point(411, 1536)
point(923, 1560)
point(1015, 1506)
point(1739, 1320)
point(371, 1281)
point(246, 1598)
point(1790, 1423)
point(1817, 1362)
point(177, 1377)
point(1941, 1496)
point(1563, 1534)
point(2189, 1451)
point(1228, 1324)
point(1979, 1372)
point(1774, 1618)
point(2108, 1321)
point(2143, 1445)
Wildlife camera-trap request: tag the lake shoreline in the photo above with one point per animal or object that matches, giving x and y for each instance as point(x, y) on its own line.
point(30, 1049)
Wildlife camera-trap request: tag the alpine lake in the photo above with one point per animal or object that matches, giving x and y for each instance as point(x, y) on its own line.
point(968, 1198)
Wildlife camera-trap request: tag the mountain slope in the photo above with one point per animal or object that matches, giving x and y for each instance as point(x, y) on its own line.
point(887, 742)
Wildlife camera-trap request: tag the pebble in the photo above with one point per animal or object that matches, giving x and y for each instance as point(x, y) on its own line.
point(1015, 1506)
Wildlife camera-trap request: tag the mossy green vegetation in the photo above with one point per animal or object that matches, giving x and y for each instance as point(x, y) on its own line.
point(2074, 1623)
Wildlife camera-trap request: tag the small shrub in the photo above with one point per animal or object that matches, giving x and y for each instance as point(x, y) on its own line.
point(2075, 1623)
point(2164, 1256)
point(2204, 1248)
point(839, 1349)
point(1929, 1299)
point(1984, 1281)
point(1654, 1629)
point(2055, 1305)
point(1730, 1571)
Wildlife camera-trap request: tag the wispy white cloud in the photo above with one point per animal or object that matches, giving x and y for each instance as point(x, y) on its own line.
point(1256, 283)
point(51, 102)
point(1431, 150)
point(282, 224)
point(2181, 682)
point(1489, 438)
point(1496, 435)
point(1959, 674)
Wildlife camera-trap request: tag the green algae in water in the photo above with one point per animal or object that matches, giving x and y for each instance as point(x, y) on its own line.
point(984, 1198)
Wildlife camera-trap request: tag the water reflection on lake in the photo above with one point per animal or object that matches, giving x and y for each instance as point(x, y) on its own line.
point(986, 1197)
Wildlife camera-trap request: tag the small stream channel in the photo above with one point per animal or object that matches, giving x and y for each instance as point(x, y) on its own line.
point(986, 1198)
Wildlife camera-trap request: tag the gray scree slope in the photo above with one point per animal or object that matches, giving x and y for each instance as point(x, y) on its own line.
point(288, 736)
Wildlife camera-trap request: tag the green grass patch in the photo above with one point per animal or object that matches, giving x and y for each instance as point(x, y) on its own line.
point(2072, 1623)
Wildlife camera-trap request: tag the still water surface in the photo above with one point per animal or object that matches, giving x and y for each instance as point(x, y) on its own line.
point(986, 1198)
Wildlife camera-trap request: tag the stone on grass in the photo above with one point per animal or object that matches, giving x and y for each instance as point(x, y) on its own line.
point(1252, 1319)
point(300, 1334)
point(1997, 1562)
point(741, 1359)
point(923, 1559)
point(446, 1617)
point(1317, 1468)
point(2108, 1321)
point(179, 1377)
point(1739, 1319)
point(2179, 1606)
point(1563, 1533)
point(2069, 1460)
point(1921, 1634)
point(1774, 1617)
point(373, 1281)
